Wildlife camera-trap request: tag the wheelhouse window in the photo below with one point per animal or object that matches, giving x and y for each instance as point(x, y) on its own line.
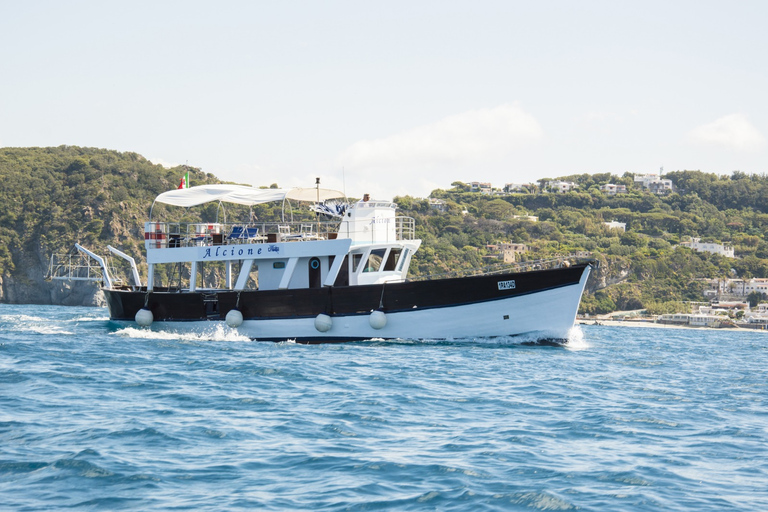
point(356, 261)
point(374, 260)
point(391, 263)
point(402, 260)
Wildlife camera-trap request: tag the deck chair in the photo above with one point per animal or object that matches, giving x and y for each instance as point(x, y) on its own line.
point(236, 233)
point(285, 233)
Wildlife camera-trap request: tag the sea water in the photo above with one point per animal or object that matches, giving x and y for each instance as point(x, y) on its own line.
point(97, 417)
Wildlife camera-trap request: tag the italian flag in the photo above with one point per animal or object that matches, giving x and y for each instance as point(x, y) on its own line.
point(184, 183)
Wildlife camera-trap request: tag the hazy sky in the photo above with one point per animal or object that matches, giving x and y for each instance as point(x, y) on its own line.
point(393, 97)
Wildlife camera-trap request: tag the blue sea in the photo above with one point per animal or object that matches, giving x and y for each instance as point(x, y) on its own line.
point(98, 417)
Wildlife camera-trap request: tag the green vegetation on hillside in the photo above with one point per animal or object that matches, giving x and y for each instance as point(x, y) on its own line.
point(53, 197)
point(648, 266)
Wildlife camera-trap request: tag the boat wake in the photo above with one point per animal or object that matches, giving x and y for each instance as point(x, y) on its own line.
point(484, 341)
point(217, 333)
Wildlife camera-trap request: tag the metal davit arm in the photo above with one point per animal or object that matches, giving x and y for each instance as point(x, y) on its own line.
point(101, 262)
point(134, 270)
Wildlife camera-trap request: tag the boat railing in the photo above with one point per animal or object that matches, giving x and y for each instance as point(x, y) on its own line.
point(160, 235)
point(379, 230)
point(405, 228)
point(501, 268)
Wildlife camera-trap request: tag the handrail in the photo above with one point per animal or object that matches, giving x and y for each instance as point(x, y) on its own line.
point(187, 234)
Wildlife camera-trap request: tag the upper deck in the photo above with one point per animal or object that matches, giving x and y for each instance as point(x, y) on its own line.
point(365, 222)
point(366, 243)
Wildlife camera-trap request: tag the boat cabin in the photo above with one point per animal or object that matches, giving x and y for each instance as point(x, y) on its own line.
point(362, 243)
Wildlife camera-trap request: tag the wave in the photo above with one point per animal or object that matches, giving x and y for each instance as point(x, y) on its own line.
point(217, 333)
point(22, 318)
point(123, 418)
point(519, 340)
point(32, 324)
point(81, 319)
point(46, 330)
point(48, 326)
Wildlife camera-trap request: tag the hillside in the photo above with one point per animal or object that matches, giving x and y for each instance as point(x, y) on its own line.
point(643, 267)
point(54, 197)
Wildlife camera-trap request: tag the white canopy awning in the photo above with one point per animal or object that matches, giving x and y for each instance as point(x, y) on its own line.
point(311, 194)
point(240, 194)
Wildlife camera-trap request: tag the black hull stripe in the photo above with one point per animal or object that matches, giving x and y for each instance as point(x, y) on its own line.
point(345, 301)
point(220, 318)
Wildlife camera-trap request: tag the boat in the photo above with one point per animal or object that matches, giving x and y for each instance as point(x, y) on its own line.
point(340, 277)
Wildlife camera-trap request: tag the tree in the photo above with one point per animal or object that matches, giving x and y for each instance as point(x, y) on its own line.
point(755, 298)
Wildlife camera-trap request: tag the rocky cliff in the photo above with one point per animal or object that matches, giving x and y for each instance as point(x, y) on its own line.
point(608, 273)
point(52, 198)
point(30, 286)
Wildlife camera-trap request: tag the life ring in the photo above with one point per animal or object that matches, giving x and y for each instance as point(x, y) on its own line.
point(156, 232)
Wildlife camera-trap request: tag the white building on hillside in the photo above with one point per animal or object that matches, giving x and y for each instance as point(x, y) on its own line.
point(611, 189)
point(738, 287)
point(510, 188)
point(735, 287)
point(697, 245)
point(437, 204)
point(758, 314)
point(483, 188)
point(655, 183)
point(506, 252)
point(757, 284)
point(621, 226)
point(561, 187)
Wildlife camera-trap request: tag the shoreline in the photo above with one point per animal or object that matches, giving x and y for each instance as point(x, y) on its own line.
point(654, 325)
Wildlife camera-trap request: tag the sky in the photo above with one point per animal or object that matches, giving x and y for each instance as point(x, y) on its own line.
point(397, 97)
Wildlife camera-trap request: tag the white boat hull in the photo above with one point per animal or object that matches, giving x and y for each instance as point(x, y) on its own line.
point(543, 315)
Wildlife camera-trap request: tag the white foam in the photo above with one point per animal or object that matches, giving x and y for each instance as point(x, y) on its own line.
point(22, 318)
point(43, 329)
point(576, 340)
point(217, 333)
point(90, 319)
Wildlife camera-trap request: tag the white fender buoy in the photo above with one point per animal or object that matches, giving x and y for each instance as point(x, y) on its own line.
point(377, 319)
point(234, 318)
point(144, 317)
point(323, 322)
